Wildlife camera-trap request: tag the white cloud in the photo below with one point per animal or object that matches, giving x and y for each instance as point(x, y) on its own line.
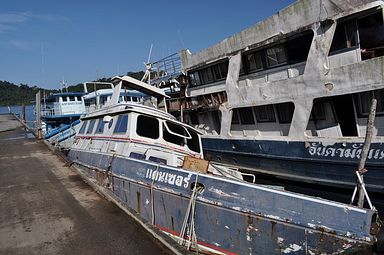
point(19, 44)
point(10, 21)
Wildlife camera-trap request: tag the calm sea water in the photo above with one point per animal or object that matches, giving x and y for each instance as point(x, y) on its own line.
point(29, 113)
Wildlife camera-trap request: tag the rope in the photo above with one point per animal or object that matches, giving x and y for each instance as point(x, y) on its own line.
point(190, 214)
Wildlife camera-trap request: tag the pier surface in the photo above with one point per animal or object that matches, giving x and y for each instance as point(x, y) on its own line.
point(46, 208)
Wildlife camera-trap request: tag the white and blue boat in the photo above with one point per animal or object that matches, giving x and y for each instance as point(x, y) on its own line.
point(153, 165)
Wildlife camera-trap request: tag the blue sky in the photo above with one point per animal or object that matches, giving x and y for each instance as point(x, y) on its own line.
point(44, 41)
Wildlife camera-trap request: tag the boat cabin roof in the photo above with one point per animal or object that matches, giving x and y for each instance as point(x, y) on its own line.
point(132, 83)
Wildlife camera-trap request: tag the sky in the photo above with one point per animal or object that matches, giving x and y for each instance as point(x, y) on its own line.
point(43, 42)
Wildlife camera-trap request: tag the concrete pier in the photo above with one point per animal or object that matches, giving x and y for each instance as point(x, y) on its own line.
point(46, 208)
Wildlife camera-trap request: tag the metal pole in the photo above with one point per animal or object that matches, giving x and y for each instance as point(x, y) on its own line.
point(38, 116)
point(23, 118)
point(364, 153)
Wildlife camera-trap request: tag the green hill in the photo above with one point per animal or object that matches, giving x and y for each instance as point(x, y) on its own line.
point(12, 94)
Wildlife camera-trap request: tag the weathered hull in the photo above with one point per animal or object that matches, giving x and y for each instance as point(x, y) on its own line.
point(329, 165)
point(230, 217)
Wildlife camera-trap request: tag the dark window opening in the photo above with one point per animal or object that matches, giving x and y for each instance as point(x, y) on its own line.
point(285, 112)
point(276, 56)
point(364, 99)
point(136, 155)
point(298, 48)
point(100, 127)
point(65, 99)
point(194, 118)
point(72, 98)
point(158, 160)
point(318, 111)
point(345, 36)
point(371, 35)
point(246, 116)
point(194, 143)
point(121, 124)
point(265, 113)
point(82, 129)
point(235, 117)
point(147, 127)
point(172, 138)
point(345, 115)
point(91, 126)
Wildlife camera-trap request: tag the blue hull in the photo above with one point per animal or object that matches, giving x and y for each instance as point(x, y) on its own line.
point(312, 162)
point(230, 217)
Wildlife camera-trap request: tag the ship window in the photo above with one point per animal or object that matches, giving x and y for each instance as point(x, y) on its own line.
point(265, 113)
point(206, 75)
point(285, 112)
point(172, 138)
point(65, 99)
point(221, 70)
point(136, 155)
point(127, 98)
point(364, 102)
point(134, 99)
point(254, 62)
point(345, 36)
point(158, 160)
point(147, 127)
point(298, 48)
point(371, 32)
point(276, 56)
point(194, 78)
point(78, 98)
point(246, 116)
point(235, 117)
point(91, 126)
point(71, 98)
point(318, 111)
point(100, 127)
point(82, 129)
point(121, 124)
point(194, 142)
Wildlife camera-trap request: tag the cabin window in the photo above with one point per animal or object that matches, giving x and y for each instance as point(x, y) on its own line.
point(147, 127)
point(221, 70)
point(364, 100)
point(100, 127)
point(318, 111)
point(91, 126)
point(298, 48)
point(206, 75)
point(177, 134)
point(78, 98)
point(276, 56)
point(136, 155)
point(345, 36)
point(285, 112)
point(72, 98)
point(194, 78)
point(83, 127)
point(65, 99)
point(265, 113)
point(194, 143)
point(254, 61)
point(371, 31)
point(103, 100)
point(134, 99)
point(127, 98)
point(121, 124)
point(235, 117)
point(158, 160)
point(246, 116)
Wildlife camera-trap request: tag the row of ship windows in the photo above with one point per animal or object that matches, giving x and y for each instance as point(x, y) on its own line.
point(147, 127)
point(293, 51)
point(284, 111)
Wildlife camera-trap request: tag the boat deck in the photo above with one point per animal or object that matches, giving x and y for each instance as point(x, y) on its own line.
point(46, 208)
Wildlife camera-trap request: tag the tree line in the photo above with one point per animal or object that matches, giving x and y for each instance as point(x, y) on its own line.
point(12, 94)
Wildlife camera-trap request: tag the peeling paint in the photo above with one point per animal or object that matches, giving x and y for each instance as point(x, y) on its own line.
point(292, 248)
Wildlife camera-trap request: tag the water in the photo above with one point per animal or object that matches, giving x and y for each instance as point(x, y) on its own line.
point(29, 113)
